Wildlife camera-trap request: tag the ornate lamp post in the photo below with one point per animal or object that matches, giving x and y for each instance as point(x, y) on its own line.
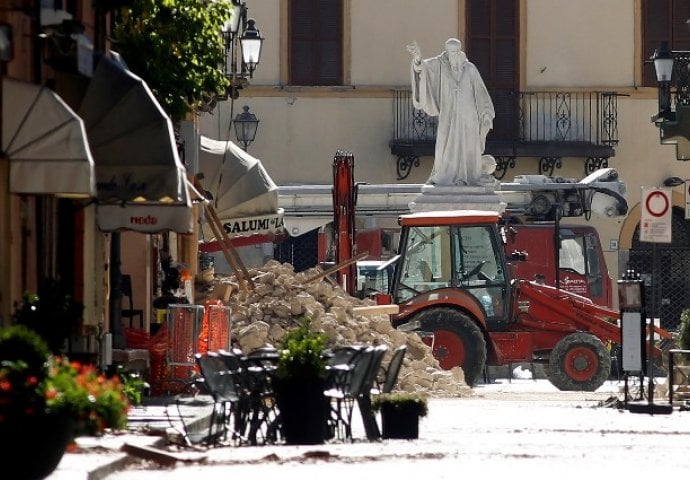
point(243, 43)
point(663, 66)
point(240, 35)
point(673, 77)
point(246, 124)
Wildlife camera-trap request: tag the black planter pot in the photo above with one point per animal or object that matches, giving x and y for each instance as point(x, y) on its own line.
point(32, 447)
point(400, 420)
point(303, 410)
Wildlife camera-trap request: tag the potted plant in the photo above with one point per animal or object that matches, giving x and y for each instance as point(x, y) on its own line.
point(46, 401)
point(680, 376)
point(51, 312)
point(400, 413)
point(299, 384)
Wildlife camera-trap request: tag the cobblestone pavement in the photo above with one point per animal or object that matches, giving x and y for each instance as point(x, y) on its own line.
point(522, 428)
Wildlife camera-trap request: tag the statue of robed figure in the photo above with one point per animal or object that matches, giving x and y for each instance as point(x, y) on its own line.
point(449, 86)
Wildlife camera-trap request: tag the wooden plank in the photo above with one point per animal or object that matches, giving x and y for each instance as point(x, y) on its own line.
point(161, 457)
point(225, 242)
point(226, 252)
point(377, 310)
point(335, 268)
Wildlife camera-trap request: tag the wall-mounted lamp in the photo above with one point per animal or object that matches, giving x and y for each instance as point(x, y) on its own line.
point(673, 182)
point(246, 125)
point(663, 66)
point(673, 77)
point(240, 35)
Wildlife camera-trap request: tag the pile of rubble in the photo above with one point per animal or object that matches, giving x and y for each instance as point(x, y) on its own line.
point(262, 315)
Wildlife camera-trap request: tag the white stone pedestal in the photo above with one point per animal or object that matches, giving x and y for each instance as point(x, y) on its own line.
point(458, 197)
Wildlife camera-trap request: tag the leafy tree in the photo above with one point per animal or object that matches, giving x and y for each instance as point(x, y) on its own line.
point(176, 46)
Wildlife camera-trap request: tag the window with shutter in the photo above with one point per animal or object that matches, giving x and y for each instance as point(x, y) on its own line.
point(315, 42)
point(493, 46)
point(663, 20)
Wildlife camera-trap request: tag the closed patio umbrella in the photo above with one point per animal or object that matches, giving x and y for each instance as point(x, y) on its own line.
point(141, 182)
point(244, 195)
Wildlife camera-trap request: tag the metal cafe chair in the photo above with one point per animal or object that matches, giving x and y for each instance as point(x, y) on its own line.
point(220, 384)
point(130, 312)
point(344, 384)
point(259, 367)
point(364, 396)
point(391, 371)
point(256, 417)
point(240, 418)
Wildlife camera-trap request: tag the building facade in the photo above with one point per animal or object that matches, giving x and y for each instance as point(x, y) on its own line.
point(334, 76)
point(53, 230)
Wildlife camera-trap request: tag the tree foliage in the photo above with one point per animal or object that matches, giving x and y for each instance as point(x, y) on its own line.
point(176, 46)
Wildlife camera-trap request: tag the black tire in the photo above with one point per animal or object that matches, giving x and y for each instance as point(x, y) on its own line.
point(579, 362)
point(458, 341)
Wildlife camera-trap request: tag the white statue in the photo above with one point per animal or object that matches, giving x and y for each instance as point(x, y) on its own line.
point(450, 86)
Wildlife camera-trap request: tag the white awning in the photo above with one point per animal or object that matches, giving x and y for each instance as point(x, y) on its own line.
point(45, 142)
point(297, 226)
point(141, 182)
point(147, 217)
point(243, 194)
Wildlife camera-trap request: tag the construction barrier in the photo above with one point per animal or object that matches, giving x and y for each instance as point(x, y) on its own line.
point(215, 327)
point(187, 330)
point(183, 324)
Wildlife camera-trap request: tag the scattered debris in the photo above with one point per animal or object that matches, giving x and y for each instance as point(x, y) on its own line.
point(162, 457)
point(262, 315)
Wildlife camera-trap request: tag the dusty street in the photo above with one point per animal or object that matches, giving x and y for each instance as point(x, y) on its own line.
point(523, 429)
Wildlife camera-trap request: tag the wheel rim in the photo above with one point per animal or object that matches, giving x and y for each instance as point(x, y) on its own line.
point(448, 349)
point(581, 364)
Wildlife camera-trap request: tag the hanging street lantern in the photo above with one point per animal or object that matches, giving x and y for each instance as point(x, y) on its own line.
point(246, 125)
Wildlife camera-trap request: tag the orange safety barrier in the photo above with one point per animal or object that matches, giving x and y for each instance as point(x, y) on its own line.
point(184, 327)
point(157, 345)
point(215, 327)
point(188, 329)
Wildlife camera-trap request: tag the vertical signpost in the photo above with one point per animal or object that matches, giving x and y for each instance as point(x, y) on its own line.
point(631, 303)
point(655, 227)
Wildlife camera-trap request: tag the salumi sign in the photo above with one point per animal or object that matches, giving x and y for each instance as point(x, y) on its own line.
point(253, 225)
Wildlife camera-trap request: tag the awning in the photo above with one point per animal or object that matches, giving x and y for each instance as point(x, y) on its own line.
point(297, 226)
point(141, 182)
point(243, 194)
point(45, 142)
point(149, 217)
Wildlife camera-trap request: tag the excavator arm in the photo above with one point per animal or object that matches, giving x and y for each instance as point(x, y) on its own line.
point(584, 315)
point(344, 201)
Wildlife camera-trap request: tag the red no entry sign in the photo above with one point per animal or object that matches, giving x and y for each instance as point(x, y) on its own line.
point(657, 203)
point(655, 221)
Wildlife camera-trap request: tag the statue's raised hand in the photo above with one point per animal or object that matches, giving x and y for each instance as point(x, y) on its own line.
point(414, 49)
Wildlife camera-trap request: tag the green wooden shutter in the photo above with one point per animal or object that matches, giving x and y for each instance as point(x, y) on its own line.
point(493, 46)
point(315, 36)
point(656, 27)
point(663, 20)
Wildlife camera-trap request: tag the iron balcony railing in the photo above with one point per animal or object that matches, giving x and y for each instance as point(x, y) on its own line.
point(534, 124)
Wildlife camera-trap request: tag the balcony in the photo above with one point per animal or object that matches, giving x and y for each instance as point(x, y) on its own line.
point(545, 125)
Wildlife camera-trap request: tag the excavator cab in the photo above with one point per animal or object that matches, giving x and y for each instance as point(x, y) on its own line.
point(440, 260)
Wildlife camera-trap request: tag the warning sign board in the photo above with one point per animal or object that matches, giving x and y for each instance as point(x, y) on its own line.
point(655, 219)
